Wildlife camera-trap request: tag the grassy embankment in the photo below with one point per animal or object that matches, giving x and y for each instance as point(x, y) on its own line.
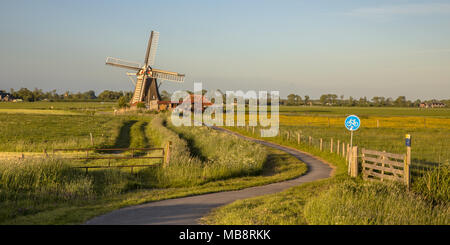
point(50, 191)
point(341, 200)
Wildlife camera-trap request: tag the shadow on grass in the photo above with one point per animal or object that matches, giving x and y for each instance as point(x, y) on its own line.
point(193, 150)
point(123, 140)
point(270, 163)
point(420, 166)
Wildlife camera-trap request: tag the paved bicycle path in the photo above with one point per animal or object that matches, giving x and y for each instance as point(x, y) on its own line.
point(187, 210)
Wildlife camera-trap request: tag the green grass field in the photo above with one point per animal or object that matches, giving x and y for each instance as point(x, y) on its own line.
point(51, 191)
point(364, 111)
point(429, 129)
point(342, 200)
point(67, 106)
point(31, 132)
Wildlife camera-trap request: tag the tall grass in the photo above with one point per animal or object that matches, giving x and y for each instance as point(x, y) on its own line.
point(43, 179)
point(434, 184)
point(200, 155)
point(370, 203)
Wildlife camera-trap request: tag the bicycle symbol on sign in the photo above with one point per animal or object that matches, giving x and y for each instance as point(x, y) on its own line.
point(352, 122)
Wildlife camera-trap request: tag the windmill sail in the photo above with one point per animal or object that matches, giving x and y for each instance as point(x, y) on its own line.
point(151, 49)
point(167, 75)
point(123, 63)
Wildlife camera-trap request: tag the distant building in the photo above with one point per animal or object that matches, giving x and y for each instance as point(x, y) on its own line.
point(169, 105)
point(432, 105)
point(5, 96)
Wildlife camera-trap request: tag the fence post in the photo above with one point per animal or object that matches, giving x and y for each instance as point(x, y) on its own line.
point(298, 138)
point(309, 140)
point(321, 144)
point(288, 134)
point(338, 151)
point(331, 145)
point(407, 171)
point(383, 158)
point(167, 154)
point(354, 162)
point(343, 149)
point(92, 139)
point(348, 153)
point(253, 130)
point(363, 162)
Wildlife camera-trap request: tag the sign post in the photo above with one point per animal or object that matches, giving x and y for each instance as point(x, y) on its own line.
point(407, 171)
point(352, 123)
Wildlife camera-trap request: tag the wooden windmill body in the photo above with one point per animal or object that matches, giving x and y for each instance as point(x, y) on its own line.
point(146, 85)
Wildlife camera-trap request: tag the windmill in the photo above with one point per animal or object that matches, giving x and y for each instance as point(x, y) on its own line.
point(146, 86)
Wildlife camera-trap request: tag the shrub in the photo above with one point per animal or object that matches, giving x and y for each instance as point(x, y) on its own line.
point(122, 102)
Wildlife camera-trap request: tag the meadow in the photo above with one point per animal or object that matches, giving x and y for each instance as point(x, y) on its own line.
point(34, 132)
point(382, 129)
point(342, 200)
point(49, 190)
point(66, 106)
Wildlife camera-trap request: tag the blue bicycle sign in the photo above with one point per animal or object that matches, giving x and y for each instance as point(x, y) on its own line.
point(352, 122)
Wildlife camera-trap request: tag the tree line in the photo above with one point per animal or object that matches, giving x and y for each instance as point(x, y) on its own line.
point(376, 101)
point(39, 95)
point(292, 99)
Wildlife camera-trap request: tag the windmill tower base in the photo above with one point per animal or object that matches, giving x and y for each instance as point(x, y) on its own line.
point(153, 105)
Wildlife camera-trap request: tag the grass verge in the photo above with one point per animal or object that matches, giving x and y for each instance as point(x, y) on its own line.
point(341, 200)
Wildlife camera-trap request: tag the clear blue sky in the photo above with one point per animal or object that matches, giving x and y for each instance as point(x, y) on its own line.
point(354, 48)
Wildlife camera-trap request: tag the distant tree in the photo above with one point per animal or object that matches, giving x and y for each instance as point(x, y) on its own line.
point(389, 102)
point(417, 103)
point(363, 101)
point(291, 99)
point(324, 99)
point(400, 101)
point(89, 95)
point(108, 95)
point(25, 94)
point(306, 99)
point(376, 101)
point(38, 94)
point(351, 101)
point(122, 102)
point(333, 98)
point(298, 100)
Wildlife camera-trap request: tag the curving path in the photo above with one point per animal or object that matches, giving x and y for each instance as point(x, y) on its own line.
point(187, 210)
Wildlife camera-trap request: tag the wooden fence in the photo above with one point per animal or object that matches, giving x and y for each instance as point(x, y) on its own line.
point(377, 165)
point(165, 156)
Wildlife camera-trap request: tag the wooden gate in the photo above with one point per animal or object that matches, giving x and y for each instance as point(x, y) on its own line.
point(377, 165)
